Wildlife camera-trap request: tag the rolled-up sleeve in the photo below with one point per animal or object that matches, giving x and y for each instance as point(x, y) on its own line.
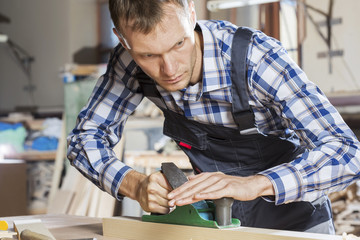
point(331, 160)
point(100, 124)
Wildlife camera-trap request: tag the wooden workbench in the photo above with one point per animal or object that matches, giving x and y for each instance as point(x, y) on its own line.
point(77, 227)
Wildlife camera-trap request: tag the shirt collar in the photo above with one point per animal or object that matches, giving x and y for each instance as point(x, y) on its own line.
point(216, 64)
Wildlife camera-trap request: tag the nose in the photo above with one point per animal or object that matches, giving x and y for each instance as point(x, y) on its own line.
point(169, 65)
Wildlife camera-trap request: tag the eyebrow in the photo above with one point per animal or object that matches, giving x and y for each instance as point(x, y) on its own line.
point(145, 53)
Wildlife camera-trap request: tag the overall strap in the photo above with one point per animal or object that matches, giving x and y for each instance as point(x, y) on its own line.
point(149, 89)
point(242, 113)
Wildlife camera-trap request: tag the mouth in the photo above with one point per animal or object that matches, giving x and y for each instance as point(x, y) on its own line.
point(173, 80)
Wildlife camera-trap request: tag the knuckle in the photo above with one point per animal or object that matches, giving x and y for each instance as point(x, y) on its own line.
point(150, 189)
point(206, 174)
point(152, 177)
point(151, 206)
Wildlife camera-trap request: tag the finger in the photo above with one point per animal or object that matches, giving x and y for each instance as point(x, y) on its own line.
point(158, 185)
point(193, 176)
point(159, 209)
point(188, 185)
point(183, 201)
point(160, 179)
point(235, 187)
point(157, 200)
point(163, 210)
point(216, 194)
point(195, 185)
point(159, 191)
point(223, 185)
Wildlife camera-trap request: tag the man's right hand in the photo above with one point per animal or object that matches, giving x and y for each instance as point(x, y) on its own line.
point(150, 191)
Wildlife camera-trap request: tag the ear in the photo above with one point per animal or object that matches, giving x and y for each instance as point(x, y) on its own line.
point(192, 13)
point(121, 39)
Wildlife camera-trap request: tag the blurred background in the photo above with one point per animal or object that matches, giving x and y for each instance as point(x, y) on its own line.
point(52, 52)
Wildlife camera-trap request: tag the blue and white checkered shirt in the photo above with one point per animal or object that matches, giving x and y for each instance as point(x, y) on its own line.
point(284, 102)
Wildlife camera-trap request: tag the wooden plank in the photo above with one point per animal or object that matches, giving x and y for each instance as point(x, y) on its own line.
point(106, 205)
point(125, 228)
point(64, 226)
point(94, 202)
point(59, 162)
point(61, 202)
point(151, 160)
point(7, 234)
point(34, 225)
point(80, 202)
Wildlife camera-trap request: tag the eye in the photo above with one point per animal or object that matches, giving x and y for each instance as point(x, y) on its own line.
point(180, 43)
point(147, 55)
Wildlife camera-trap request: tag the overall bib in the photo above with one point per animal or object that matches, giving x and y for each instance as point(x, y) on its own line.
point(212, 148)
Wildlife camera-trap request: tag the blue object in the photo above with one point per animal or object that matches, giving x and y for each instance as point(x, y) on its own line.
point(8, 126)
point(45, 143)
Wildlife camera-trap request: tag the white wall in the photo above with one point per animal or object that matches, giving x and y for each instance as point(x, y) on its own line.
point(200, 7)
point(51, 31)
point(346, 72)
point(247, 16)
point(288, 28)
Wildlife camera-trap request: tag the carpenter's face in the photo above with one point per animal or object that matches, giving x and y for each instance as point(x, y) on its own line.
point(168, 53)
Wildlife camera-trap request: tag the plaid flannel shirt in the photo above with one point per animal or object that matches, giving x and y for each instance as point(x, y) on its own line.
point(284, 101)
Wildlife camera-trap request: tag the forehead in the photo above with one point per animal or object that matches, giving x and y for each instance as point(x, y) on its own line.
point(174, 26)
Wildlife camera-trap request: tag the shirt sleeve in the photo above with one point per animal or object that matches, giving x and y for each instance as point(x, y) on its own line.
point(100, 124)
point(331, 158)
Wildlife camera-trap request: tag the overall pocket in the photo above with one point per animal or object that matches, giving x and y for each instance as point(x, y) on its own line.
point(234, 156)
point(249, 154)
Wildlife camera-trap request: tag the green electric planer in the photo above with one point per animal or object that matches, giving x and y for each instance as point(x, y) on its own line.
point(212, 214)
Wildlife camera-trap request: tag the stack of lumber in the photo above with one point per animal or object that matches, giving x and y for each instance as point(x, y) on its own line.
point(39, 184)
point(79, 196)
point(346, 210)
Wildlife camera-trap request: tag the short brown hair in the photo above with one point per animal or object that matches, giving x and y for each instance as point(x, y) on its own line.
point(144, 14)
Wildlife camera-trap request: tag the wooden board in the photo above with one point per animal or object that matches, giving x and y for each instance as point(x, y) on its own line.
point(152, 160)
point(59, 162)
point(34, 225)
point(125, 228)
point(64, 226)
point(61, 202)
point(7, 234)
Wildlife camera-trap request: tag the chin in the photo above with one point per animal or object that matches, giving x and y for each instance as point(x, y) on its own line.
point(172, 89)
point(175, 87)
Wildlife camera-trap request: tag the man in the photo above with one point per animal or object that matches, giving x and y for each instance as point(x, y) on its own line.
point(278, 159)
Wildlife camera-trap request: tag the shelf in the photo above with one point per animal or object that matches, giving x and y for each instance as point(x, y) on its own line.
point(33, 155)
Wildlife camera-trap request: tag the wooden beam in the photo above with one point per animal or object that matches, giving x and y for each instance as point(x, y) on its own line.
point(126, 228)
point(270, 19)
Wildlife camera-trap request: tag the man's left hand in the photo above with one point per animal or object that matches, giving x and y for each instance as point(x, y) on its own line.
point(215, 185)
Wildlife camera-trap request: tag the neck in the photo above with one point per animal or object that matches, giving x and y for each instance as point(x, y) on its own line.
point(197, 74)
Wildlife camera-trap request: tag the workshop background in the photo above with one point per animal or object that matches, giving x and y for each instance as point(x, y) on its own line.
point(52, 52)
